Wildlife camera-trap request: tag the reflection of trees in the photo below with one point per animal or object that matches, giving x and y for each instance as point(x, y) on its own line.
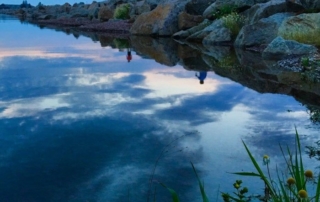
point(314, 112)
point(314, 151)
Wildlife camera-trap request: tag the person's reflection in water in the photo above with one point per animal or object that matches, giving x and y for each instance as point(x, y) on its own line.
point(201, 76)
point(129, 56)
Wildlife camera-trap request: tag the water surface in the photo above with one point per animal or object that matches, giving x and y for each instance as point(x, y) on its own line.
point(78, 122)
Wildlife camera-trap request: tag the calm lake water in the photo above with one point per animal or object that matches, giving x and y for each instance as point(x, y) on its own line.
point(80, 123)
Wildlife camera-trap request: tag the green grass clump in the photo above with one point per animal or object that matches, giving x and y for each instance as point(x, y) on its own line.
point(122, 12)
point(224, 10)
point(234, 22)
point(302, 35)
point(292, 189)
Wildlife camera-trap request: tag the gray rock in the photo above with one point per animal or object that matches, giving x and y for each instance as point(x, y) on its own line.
point(197, 7)
point(305, 27)
point(44, 17)
point(280, 48)
point(260, 33)
point(79, 12)
point(186, 21)
point(162, 21)
point(200, 35)
point(220, 35)
point(105, 13)
point(207, 13)
point(141, 7)
point(114, 3)
point(219, 4)
point(186, 33)
point(264, 10)
point(310, 4)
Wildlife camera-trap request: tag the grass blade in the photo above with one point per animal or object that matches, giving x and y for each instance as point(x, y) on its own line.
point(247, 174)
point(201, 186)
point(256, 165)
point(318, 191)
point(174, 195)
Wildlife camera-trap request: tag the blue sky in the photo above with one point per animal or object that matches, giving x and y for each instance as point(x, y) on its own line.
point(45, 2)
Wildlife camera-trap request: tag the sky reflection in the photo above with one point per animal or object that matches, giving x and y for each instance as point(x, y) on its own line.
point(78, 122)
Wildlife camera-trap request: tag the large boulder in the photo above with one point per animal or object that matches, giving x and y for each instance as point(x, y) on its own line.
point(264, 10)
point(186, 33)
point(79, 11)
point(197, 7)
point(114, 3)
point(310, 4)
point(200, 35)
point(93, 10)
point(221, 35)
point(141, 7)
point(233, 3)
point(240, 5)
point(260, 33)
point(105, 13)
point(304, 27)
point(280, 48)
point(162, 21)
point(186, 21)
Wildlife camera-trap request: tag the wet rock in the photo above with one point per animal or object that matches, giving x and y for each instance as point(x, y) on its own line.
point(197, 7)
point(163, 50)
point(219, 53)
point(310, 4)
point(200, 35)
point(264, 10)
point(186, 21)
point(141, 7)
point(162, 21)
point(280, 48)
point(220, 36)
point(306, 27)
point(239, 4)
point(80, 11)
point(186, 33)
point(105, 13)
point(194, 63)
point(260, 33)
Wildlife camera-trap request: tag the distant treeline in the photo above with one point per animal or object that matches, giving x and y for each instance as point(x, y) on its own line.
point(12, 6)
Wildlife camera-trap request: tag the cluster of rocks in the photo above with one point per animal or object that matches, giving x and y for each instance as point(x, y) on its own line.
point(266, 21)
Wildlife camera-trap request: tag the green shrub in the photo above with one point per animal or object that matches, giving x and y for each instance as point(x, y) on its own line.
point(234, 22)
point(122, 12)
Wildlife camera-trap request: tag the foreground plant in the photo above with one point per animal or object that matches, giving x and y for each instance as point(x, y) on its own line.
point(295, 187)
point(234, 22)
point(240, 194)
point(122, 12)
point(292, 189)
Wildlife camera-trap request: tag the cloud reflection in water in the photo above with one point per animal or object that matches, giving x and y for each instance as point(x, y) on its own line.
point(80, 123)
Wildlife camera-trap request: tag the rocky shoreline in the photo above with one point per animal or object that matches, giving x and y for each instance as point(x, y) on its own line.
point(275, 28)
